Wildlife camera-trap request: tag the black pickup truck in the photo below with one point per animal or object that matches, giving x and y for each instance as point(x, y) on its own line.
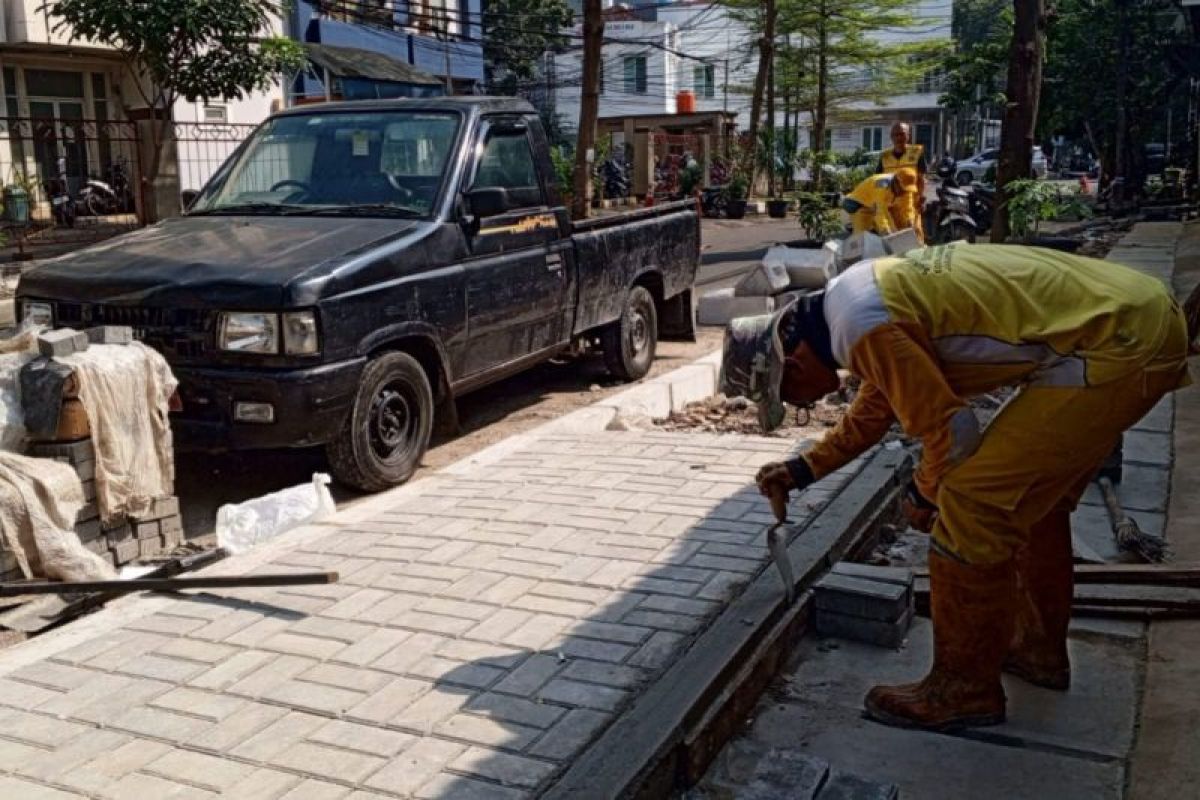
point(354, 267)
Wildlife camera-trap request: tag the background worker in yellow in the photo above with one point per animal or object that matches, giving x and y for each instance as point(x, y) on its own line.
point(905, 154)
point(1093, 346)
point(884, 203)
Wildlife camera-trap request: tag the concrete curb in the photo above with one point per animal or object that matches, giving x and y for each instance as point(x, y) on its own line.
point(694, 381)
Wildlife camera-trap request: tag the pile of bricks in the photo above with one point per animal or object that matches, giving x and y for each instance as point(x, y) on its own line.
point(127, 539)
point(865, 603)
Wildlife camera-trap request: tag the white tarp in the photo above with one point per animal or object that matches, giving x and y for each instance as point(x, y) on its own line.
point(39, 500)
point(126, 391)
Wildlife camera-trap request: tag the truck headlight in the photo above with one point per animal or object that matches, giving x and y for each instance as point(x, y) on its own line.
point(249, 332)
point(300, 333)
point(37, 312)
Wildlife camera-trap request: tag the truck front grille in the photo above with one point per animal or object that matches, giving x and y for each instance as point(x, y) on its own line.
point(179, 334)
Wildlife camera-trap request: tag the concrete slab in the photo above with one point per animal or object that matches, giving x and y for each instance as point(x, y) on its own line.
point(1147, 447)
point(768, 278)
point(1095, 717)
point(1160, 418)
point(648, 400)
point(927, 765)
point(1091, 524)
point(1142, 488)
point(721, 305)
point(690, 384)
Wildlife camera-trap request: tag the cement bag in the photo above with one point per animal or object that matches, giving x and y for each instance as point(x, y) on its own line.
point(241, 526)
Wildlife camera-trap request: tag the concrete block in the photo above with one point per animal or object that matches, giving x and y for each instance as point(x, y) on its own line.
point(901, 242)
point(1161, 418)
point(863, 597)
point(89, 531)
point(768, 278)
point(690, 384)
point(86, 470)
point(902, 576)
point(807, 267)
point(146, 530)
point(1147, 447)
point(89, 490)
point(110, 334)
point(718, 307)
point(121, 533)
point(126, 551)
point(149, 548)
point(881, 633)
point(163, 507)
point(748, 771)
point(846, 786)
point(62, 342)
point(171, 526)
point(72, 453)
point(90, 511)
point(834, 248)
point(647, 400)
point(861, 246)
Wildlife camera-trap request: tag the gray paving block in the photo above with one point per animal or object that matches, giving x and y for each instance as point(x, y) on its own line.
point(146, 530)
point(861, 246)
point(110, 334)
point(748, 770)
point(901, 242)
point(721, 305)
point(899, 575)
point(881, 633)
point(89, 531)
point(1148, 447)
point(126, 551)
point(768, 278)
point(1091, 524)
point(862, 597)
point(1161, 418)
point(62, 342)
point(1142, 488)
point(72, 452)
point(843, 785)
point(807, 267)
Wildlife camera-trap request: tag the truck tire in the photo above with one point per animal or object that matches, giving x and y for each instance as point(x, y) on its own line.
point(630, 342)
point(388, 427)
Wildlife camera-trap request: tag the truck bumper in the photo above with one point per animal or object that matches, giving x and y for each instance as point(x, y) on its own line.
point(309, 406)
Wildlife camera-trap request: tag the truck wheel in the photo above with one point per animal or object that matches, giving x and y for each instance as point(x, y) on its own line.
point(388, 427)
point(630, 342)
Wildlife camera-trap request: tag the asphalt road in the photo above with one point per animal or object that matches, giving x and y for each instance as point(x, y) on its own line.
point(205, 482)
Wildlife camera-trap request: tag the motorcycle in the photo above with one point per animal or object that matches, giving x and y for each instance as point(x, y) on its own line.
point(616, 184)
point(950, 219)
point(714, 201)
point(107, 197)
point(61, 204)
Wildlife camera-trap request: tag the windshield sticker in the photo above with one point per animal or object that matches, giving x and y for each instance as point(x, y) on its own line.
point(362, 143)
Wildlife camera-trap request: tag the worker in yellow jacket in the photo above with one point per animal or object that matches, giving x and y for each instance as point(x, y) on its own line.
point(903, 153)
point(1092, 346)
point(884, 203)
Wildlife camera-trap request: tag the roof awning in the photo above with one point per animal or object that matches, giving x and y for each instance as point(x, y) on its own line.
point(351, 62)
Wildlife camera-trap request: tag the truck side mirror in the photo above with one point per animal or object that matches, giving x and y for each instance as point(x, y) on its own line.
point(486, 202)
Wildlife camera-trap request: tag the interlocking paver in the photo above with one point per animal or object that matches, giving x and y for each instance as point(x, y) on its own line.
point(486, 628)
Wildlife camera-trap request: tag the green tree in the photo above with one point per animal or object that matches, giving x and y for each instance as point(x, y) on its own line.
point(975, 71)
point(516, 36)
point(211, 49)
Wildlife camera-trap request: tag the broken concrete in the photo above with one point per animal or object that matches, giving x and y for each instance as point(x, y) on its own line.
point(767, 279)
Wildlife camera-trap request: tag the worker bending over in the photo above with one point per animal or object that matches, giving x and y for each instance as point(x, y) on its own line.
point(884, 203)
point(1092, 346)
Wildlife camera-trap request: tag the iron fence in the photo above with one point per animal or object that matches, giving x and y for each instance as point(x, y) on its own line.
point(202, 148)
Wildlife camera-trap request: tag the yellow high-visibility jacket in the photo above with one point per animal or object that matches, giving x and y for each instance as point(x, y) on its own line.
point(911, 157)
point(940, 324)
point(883, 210)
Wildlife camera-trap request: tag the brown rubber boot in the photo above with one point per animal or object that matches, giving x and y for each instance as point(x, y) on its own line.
point(1045, 588)
point(972, 625)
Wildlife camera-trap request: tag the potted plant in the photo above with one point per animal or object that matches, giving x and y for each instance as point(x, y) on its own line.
point(1031, 202)
point(20, 192)
point(690, 179)
point(818, 221)
point(736, 191)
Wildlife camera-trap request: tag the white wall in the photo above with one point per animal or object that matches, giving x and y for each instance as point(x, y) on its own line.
point(708, 35)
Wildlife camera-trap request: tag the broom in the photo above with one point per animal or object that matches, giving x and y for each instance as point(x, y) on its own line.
point(1129, 536)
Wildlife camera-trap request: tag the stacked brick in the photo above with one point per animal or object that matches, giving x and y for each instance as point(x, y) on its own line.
point(865, 603)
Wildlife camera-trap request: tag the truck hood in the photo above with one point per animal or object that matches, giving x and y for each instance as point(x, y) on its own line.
point(218, 261)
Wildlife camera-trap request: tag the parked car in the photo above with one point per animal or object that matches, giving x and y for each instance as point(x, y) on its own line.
point(354, 266)
point(974, 168)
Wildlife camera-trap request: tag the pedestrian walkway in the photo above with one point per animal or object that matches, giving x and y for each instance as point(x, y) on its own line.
point(489, 623)
point(1076, 744)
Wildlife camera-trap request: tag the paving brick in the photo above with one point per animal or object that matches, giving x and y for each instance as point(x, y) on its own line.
point(515, 709)
point(416, 647)
point(680, 605)
point(662, 621)
point(553, 605)
point(577, 647)
point(271, 674)
point(157, 723)
point(39, 730)
point(620, 677)
point(362, 738)
point(310, 646)
point(139, 785)
point(447, 785)
point(415, 766)
point(161, 668)
point(94, 776)
point(234, 669)
point(723, 586)
point(571, 734)
point(509, 770)
point(726, 563)
point(239, 726)
point(61, 677)
point(624, 634)
point(50, 765)
point(278, 736)
point(191, 650)
point(372, 646)
point(439, 703)
point(530, 676)
point(313, 789)
point(456, 608)
point(258, 632)
point(498, 624)
point(328, 762)
point(482, 653)
point(584, 695)
point(537, 632)
point(103, 697)
point(387, 703)
point(264, 784)
point(481, 730)
point(24, 790)
point(389, 608)
point(210, 772)
point(313, 697)
point(207, 705)
point(359, 680)
point(614, 573)
point(659, 650)
point(24, 695)
point(478, 676)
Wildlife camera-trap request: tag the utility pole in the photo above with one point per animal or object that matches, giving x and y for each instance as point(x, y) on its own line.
point(1021, 109)
point(589, 110)
point(446, 49)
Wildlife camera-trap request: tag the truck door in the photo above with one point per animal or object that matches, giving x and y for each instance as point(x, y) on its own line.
point(517, 275)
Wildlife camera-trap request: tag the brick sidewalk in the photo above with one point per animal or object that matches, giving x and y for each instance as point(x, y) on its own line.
point(489, 623)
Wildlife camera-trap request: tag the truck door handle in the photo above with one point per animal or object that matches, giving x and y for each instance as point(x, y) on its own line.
point(554, 262)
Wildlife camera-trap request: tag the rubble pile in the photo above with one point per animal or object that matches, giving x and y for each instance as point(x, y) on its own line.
point(737, 415)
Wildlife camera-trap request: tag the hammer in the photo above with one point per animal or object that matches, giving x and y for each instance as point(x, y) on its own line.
point(777, 539)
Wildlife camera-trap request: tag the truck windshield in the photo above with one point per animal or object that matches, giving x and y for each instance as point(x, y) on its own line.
point(378, 163)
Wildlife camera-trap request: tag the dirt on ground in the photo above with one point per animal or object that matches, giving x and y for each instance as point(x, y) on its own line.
point(738, 415)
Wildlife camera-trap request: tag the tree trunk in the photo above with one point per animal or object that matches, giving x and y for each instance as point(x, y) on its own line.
point(593, 39)
point(1021, 109)
point(817, 145)
point(766, 47)
point(772, 145)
